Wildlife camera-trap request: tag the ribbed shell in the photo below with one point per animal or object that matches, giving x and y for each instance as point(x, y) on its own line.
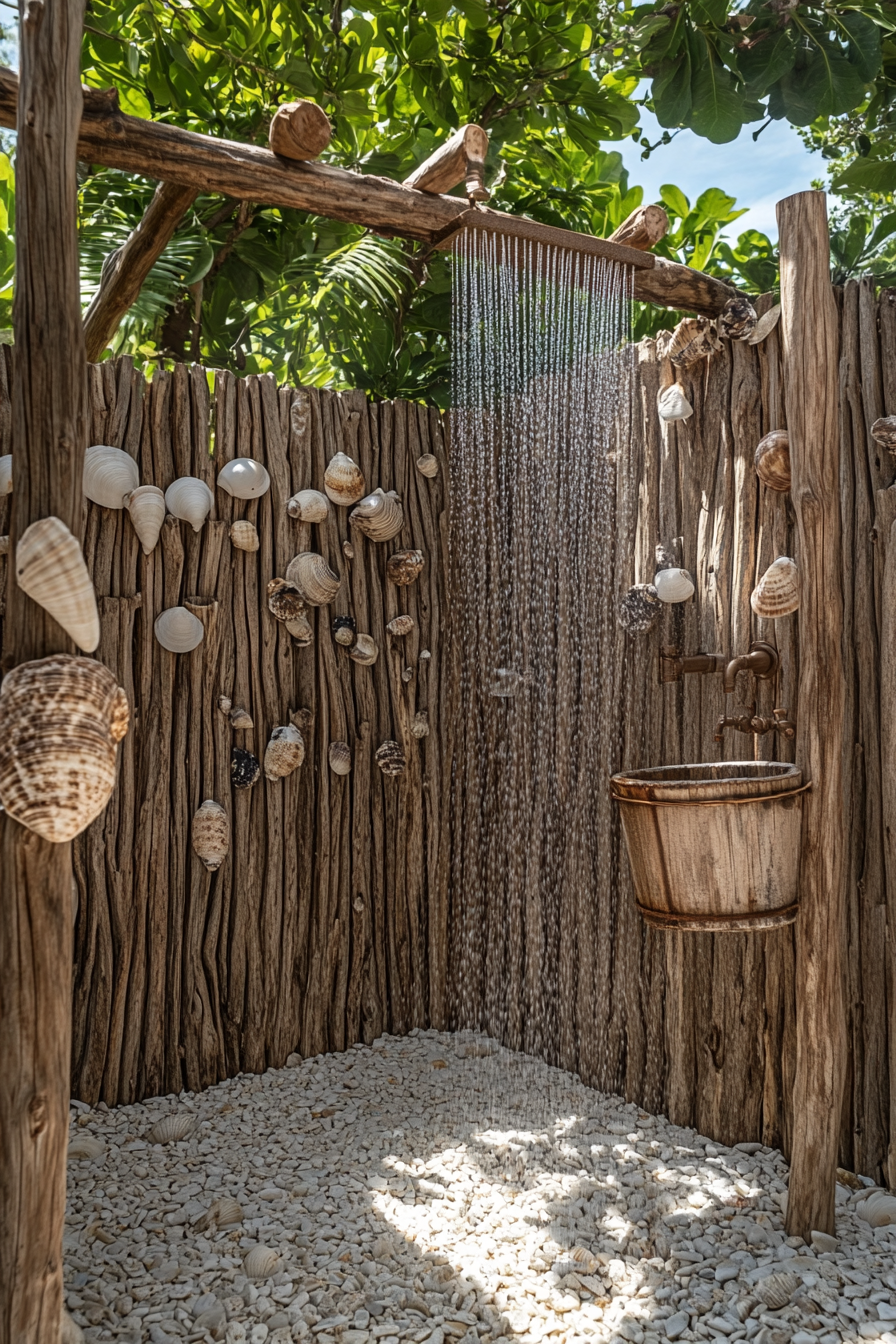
point(61, 719)
point(211, 834)
point(85, 1148)
point(778, 591)
point(428, 465)
point(639, 609)
point(146, 508)
point(737, 320)
point(172, 1128)
point(390, 758)
point(343, 480)
point(244, 768)
point(882, 431)
point(261, 1263)
point(244, 478)
point(879, 1209)
point(404, 566)
point(364, 651)
point(401, 625)
point(673, 585)
point(109, 475)
point(340, 757)
point(222, 1212)
point(301, 630)
point(379, 516)
point(344, 630)
point(244, 535)
point(190, 499)
point(314, 578)
point(672, 404)
point(765, 325)
point(6, 474)
point(309, 506)
point(50, 568)
point(285, 602)
point(284, 753)
point(178, 630)
point(777, 1289)
point(692, 340)
point(772, 460)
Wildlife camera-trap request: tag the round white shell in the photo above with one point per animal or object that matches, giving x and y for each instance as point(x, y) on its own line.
point(190, 499)
point(178, 630)
point(672, 404)
point(673, 585)
point(261, 1262)
point(309, 506)
point(172, 1128)
point(109, 475)
point(244, 478)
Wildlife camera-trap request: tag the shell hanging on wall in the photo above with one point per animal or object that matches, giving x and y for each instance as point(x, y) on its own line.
point(4, 545)
point(737, 320)
point(61, 720)
point(146, 508)
point(344, 628)
point(882, 431)
point(189, 499)
point(284, 753)
point(765, 325)
point(428, 465)
point(178, 630)
point(673, 585)
point(244, 768)
point(285, 602)
point(340, 757)
point(379, 516)
point(240, 718)
point(110, 474)
point(244, 535)
point(343, 480)
point(390, 758)
point(401, 625)
point(639, 609)
point(309, 506)
point(778, 591)
point(300, 629)
point(6, 474)
point(404, 566)
point(244, 478)
point(313, 578)
point(772, 460)
point(364, 651)
point(672, 404)
point(50, 568)
point(692, 340)
point(210, 834)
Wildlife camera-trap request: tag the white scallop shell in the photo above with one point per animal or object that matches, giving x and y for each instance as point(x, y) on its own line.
point(428, 465)
point(244, 478)
point(364, 651)
point(211, 834)
point(146, 506)
point(223, 1212)
point(777, 1289)
point(261, 1263)
point(244, 535)
point(778, 591)
point(309, 506)
point(343, 480)
point(673, 585)
point(6, 474)
point(172, 1128)
point(379, 516)
point(50, 568)
point(340, 757)
point(284, 753)
point(672, 404)
point(85, 1148)
point(879, 1209)
point(190, 499)
point(178, 630)
point(313, 577)
point(109, 475)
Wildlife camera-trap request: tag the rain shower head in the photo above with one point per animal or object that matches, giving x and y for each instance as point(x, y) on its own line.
point(510, 227)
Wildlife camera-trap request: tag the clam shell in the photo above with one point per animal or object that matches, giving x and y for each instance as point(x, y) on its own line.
point(404, 566)
point(777, 1289)
point(879, 1209)
point(340, 757)
point(172, 1128)
point(240, 718)
point(261, 1263)
point(673, 585)
point(390, 758)
point(178, 630)
point(146, 507)
point(772, 460)
point(765, 325)
point(85, 1148)
point(110, 474)
point(223, 1212)
point(284, 753)
point(190, 499)
point(364, 651)
point(737, 320)
point(61, 719)
point(672, 404)
point(6, 474)
point(313, 578)
point(51, 570)
point(309, 506)
point(692, 340)
point(211, 834)
point(778, 591)
point(343, 480)
point(428, 465)
point(379, 516)
point(639, 609)
point(882, 431)
point(244, 768)
point(244, 478)
point(344, 630)
point(285, 602)
point(301, 630)
point(420, 724)
point(244, 535)
point(401, 625)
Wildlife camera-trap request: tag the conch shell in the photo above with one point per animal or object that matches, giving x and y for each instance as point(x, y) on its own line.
point(672, 404)
point(343, 480)
point(639, 609)
point(390, 758)
point(178, 630)
point(6, 474)
point(379, 516)
point(778, 591)
point(673, 585)
point(309, 506)
point(313, 578)
point(190, 499)
point(109, 475)
point(364, 651)
point(61, 720)
point(404, 566)
point(146, 506)
point(51, 570)
point(340, 757)
point(772, 460)
point(284, 753)
point(244, 535)
point(244, 478)
point(211, 834)
point(428, 465)
point(401, 625)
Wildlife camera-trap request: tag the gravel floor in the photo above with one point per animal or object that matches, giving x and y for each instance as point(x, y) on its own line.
point(440, 1188)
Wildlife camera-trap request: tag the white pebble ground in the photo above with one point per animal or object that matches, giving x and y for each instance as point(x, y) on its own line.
point(440, 1188)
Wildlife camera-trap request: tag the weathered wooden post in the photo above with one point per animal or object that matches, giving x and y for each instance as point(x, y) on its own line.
point(811, 352)
point(49, 402)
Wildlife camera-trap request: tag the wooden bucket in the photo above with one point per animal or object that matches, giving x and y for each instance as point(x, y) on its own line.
point(714, 847)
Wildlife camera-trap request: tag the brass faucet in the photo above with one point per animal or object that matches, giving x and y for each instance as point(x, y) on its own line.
point(762, 661)
point(748, 721)
point(673, 666)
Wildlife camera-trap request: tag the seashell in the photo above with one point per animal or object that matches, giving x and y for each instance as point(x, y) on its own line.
point(110, 474)
point(639, 609)
point(364, 651)
point(244, 768)
point(85, 1148)
point(301, 630)
point(244, 478)
point(178, 630)
point(420, 724)
point(673, 585)
point(407, 674)
point(390, 758)
point(50, 568)
point(584, 1261)
point(379, 516)
point(6, 474)
point(404, 566)
point(772, 460)
point(4, 545)
point(401, 625)
point(285, 601)
point(672, 404)
point(211, 834)
point(172, 1128)
point(776, 1290)
point(348, 550)
point(190, 499)
point(425, 655)
point(261, 1263)
point(428, 465)
point(737, 320)
point(244, 535)
point(778, 591)
point(284, 753)
point(344, 630)
point(340, 758)
point(692, 340)
point(303, 719)
point(61, 719)
point(224, 703)
point(223, 1212)
point(882, 431)
point(765, 325)
point(343, 480)
point(240, 718)
point(146, 506)
point(879, 1209)
point(313, 578)
point(309, 506)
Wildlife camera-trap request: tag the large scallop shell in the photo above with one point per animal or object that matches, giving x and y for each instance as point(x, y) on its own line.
point(172, 1128)
point(379, 516)
point(879, 1209)
point(244, 768)
point(778, 591)
point(401, 625)
point(404, 566)
point(284, 753)
point(146, 506)
point(314, 578)
point(343, 480)
point(50, 568)
point(6, 474)
point(244, 478)
point(673, 585)
point(285, 602)
point(390, 758)
point(364, 651)
point(61, 719)
point(428, 465)
point(672, 404)
point(882, 431)
point(222, 1212)
point(639, 609)
point(85, 1148)
point(211, 834)
point(261, 1263)
point(340, 757)
point(244, 535)
point(178, 630)
point(190, 499)
point(309, 506)
point(777, 1289)
point(772, 460)
point(110, 474)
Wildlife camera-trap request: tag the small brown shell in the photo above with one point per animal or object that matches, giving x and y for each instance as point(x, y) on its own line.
point(428, 465)
point(343, 480)
point(301, 630)
point(404, 566)
point(211, 834)
point(172, 1128)
point(244, 768)
point(344, 630)
point(340, 757)
point(401, 625)
point(778, 591)
point(313, 578)
point(284, 753)
point(884, 431)
point(639, 609)
point(737, 320)
point(240, 718)
point(390, 758)
point(772, 460)
point(364, 651)
point(285, 602)
point(244, 535)
point(348, 550)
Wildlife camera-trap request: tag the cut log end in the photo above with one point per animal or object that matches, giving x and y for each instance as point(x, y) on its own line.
point(299, 131)
point(643, 228)
point(461, 158)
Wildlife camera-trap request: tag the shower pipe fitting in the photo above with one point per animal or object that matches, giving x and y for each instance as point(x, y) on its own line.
point(762, 660)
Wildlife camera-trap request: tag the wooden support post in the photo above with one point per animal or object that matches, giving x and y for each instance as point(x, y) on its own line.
point(49, 408)
point(810, 337)
point(460, 159)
